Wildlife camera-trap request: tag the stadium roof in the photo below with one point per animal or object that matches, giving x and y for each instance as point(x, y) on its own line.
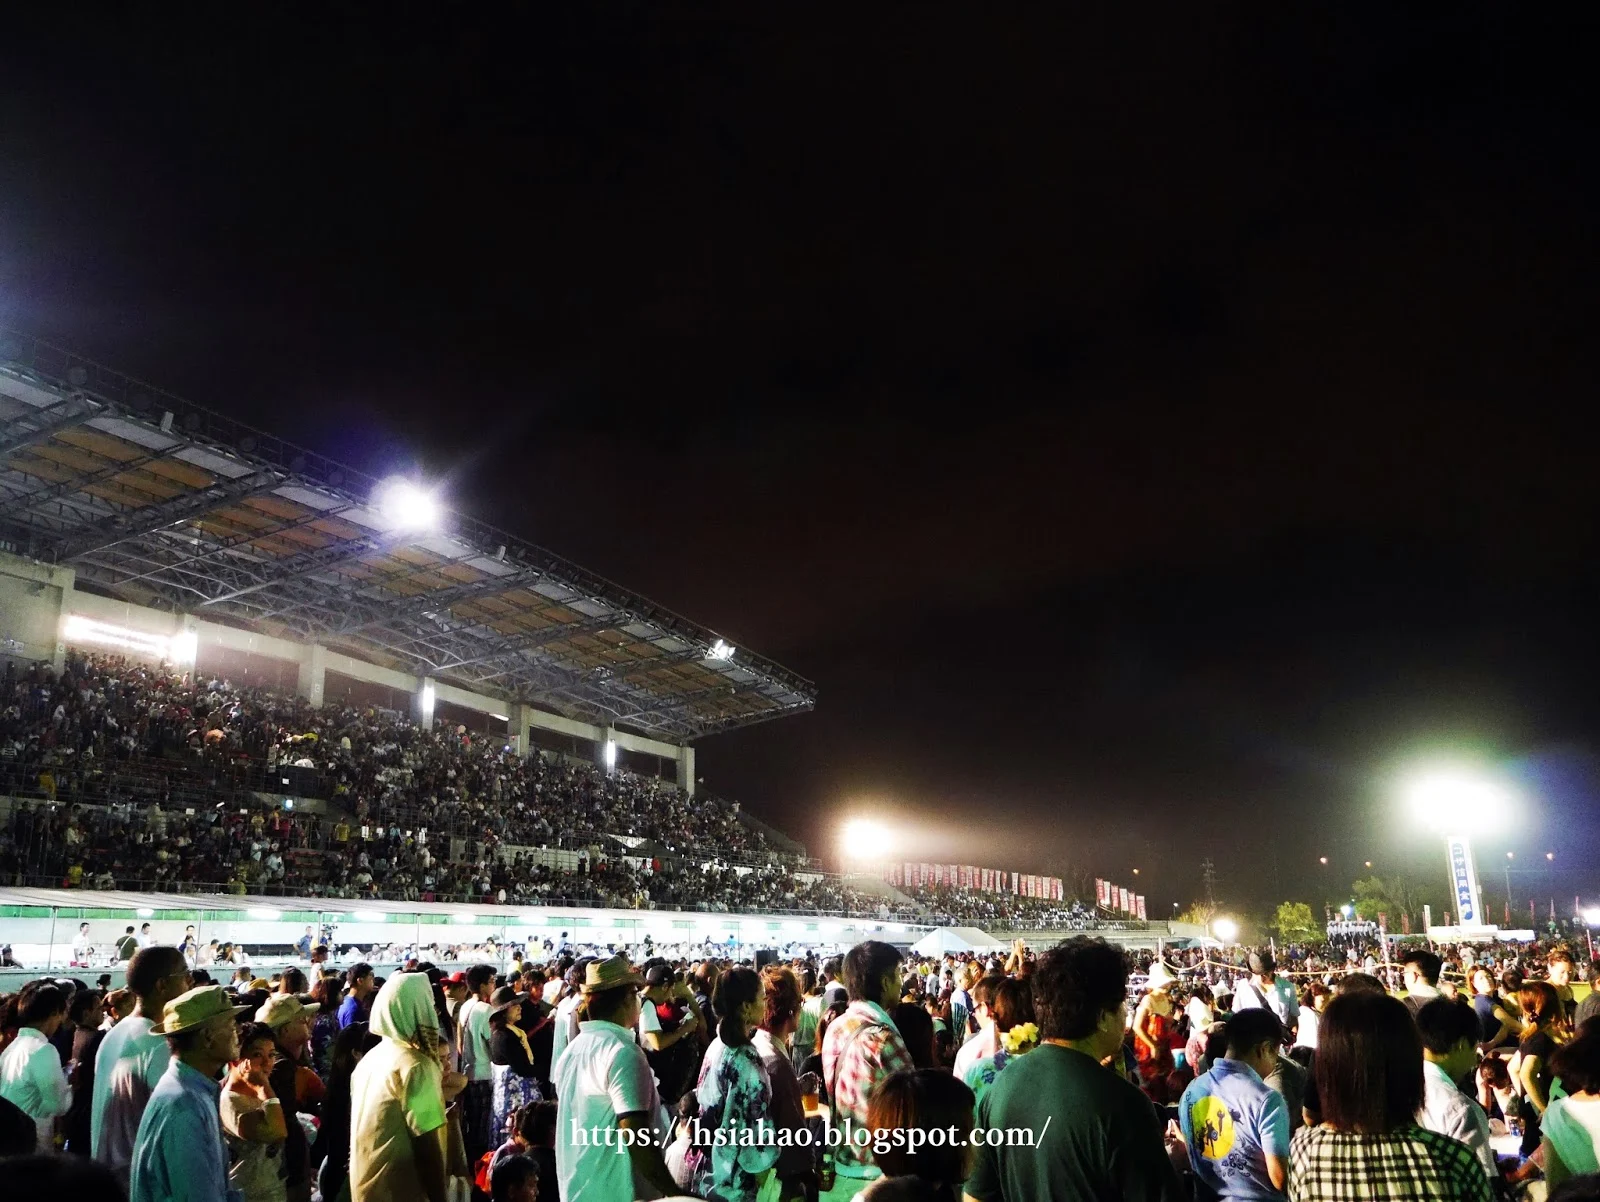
point(158, 501)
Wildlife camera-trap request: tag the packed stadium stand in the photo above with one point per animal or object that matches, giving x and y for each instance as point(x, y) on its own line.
point(232, 666)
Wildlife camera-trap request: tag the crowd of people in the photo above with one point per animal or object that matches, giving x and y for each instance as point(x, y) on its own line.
point(129, 776)
point(1073, 1072)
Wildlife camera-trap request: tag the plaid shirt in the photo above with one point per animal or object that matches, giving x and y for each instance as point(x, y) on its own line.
point(861, 1048)
point(1408, 1165)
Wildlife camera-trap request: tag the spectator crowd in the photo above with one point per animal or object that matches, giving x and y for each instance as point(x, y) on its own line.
point(1072, 1072)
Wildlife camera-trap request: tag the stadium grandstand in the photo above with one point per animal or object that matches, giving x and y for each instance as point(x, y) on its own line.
point(239, 670)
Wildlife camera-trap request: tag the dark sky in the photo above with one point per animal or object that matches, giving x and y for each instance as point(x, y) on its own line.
point(1147, 437)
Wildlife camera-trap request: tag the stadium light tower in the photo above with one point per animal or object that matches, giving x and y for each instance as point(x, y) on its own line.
point(865, 841)
point(406, 506)
point(1460, 804)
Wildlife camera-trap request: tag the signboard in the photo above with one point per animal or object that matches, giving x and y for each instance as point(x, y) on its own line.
point(1464, 882)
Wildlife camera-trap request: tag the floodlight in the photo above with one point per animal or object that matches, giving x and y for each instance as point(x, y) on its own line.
point(1458, 801)
point(184, 647)
point(1225, 929)
point(426, 701)
point(611, 753)
point(720, 650)
point(863, 839)
point(406, 505)
point(1347, 910)
point(1591, 916)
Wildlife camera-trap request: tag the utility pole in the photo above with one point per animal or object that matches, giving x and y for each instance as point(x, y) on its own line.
point(1208, 875)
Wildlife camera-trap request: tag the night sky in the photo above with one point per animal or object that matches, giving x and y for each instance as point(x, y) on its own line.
point(1148, 438)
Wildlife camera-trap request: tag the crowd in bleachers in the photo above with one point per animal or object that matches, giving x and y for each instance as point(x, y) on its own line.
point(130, 776)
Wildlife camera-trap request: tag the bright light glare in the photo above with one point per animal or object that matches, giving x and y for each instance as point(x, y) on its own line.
point(264, 915)
point(720, 650)
point(1225, 929)
point(406, 505)
point(611, 754)
point(370, 916)
point(144, 913)
point(184, 647)
point(1347, 910)
point(429, 697)
point(863, 839)
point(1458, 801)
point(1592, 916)
point(463, 920)
point(75, 628)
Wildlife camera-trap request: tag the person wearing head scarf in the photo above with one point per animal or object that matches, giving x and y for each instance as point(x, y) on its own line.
point(398, 1137)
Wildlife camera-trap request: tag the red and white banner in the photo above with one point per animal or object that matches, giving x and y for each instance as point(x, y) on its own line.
point(1122, 900)
point(1139, 906)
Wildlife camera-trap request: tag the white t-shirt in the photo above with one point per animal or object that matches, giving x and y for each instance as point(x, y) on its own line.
point(396, 1094)
point(566, 1026)
point(129, 1064)
point(552, 988)
point(602, 1074)
point(473, 1020)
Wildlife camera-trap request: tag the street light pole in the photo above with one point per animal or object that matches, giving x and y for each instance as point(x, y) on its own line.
point(1510, 855)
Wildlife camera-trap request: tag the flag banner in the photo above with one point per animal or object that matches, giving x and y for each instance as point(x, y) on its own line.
point(1102, 895)
point(1122, 900)
point(1140, 901)
point(1015, 878)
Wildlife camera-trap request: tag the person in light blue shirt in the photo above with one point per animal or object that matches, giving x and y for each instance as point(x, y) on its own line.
point(1236, 1126)
point(179, 1154)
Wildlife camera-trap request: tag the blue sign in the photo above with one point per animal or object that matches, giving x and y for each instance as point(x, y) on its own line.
point(1466, 887)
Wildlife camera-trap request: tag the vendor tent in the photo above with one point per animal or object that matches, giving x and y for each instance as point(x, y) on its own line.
point(956, 939)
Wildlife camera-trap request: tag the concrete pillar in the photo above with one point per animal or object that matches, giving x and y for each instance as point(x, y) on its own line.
point(686, 768)
point(313, 674)
point(422, 703)
point(64, 579)
point(519, 726)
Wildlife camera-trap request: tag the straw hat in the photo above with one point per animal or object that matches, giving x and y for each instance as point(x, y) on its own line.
point(282, 1009)
point(610, 974)
point(1161, 976)
point(194, 1009)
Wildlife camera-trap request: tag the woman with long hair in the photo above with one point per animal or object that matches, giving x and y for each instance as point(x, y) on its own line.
point(325, 993)
point(735, 1095)
point(812, 1065)
point(926, 1100)
point(1544, 1026)
point(331, 1152)
point(1015, 1032)
point(1368, 1147)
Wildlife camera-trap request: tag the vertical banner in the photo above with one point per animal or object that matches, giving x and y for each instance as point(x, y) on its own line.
point(1140, 904)
point(1464, 877)
point(1099, 892)
point(1014, 877)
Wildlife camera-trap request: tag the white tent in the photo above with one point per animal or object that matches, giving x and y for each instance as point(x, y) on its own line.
point(956, 939)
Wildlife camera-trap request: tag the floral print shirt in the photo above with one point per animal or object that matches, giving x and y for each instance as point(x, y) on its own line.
point(735, 1096)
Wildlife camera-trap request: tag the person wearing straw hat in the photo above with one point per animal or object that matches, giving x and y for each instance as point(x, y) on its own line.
point(179, 1152)
point(1153, 1025)
point(608, 1097)
point(514, 1077)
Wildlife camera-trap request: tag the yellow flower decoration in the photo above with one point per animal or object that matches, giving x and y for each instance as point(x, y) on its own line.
point(1020, 1039)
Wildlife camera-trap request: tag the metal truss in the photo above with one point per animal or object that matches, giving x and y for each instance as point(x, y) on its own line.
point(187, 552)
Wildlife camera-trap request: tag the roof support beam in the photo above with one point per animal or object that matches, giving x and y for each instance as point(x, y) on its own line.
point(181, 508)
point(307, 563)
point(38, 425)
point(404, 609)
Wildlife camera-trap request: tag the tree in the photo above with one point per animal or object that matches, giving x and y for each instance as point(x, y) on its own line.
point(1199, 913)
point(1393, 896)
point(1295, 923)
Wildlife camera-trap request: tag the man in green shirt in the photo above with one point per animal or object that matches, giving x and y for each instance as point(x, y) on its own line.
point(127, 945)
point(1094, 1135)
